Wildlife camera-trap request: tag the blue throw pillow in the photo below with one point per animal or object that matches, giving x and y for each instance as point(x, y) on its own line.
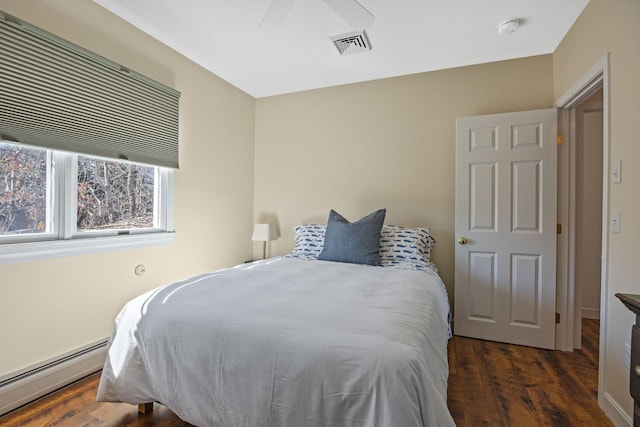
point(354, 242)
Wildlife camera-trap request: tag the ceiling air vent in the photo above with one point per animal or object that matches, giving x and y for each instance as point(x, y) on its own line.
point(351, 42)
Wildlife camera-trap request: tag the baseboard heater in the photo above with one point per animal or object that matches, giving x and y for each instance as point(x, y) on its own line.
point(27, 385)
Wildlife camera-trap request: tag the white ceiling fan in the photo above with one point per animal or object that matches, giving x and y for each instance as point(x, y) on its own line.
point(352, 12)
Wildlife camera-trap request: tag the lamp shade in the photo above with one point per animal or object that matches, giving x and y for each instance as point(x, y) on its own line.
point(264, 233)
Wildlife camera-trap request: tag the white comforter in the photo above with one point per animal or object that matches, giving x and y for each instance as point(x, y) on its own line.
point(287, 342)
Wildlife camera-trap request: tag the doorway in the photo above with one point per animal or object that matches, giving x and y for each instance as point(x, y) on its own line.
point(586, 119)
point(569, 298)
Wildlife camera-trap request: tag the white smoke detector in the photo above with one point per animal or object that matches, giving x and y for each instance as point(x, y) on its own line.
point(508, 26)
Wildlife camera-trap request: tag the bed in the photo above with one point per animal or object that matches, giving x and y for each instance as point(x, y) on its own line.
point(288, 341)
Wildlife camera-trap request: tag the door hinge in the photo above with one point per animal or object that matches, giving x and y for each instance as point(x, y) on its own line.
point(558, 228)
point(557, 318)
point(560, 139)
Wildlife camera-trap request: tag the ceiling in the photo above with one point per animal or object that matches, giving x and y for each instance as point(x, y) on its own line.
point(407, 37)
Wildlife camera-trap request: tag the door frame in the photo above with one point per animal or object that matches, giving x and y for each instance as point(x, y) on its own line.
point(598, 76)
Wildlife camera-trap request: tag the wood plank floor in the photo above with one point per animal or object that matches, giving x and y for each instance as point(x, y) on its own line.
point(494, 384)
point(490, 384)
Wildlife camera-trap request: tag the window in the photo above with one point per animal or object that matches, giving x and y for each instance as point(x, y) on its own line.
point(64, 99)
point(114, 195)
point(25, 191)
point(51, 201)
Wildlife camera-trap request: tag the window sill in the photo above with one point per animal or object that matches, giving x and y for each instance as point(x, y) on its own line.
point(35, 251)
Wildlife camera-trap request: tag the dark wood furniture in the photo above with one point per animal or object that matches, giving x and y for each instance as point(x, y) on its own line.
point(632, 302)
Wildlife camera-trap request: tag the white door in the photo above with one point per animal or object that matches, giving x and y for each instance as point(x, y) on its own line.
point(505, 256)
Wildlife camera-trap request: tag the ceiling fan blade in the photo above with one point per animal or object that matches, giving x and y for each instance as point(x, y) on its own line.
point(352, 12)
point(275, 15)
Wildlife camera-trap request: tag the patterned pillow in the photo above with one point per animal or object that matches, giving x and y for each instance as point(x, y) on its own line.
point(309, 241)
point(401, 245)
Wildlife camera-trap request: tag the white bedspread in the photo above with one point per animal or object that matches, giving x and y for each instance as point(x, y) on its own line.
point(287, 342)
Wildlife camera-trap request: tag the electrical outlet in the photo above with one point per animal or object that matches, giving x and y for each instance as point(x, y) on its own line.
point(627, 355)
point(140, 269)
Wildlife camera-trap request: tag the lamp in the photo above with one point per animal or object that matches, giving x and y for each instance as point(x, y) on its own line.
point(264, 233)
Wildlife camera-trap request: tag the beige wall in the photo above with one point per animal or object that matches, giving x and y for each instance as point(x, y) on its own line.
point(387, 143)
point(354, 148)
point(613, 26)
point(52, 307)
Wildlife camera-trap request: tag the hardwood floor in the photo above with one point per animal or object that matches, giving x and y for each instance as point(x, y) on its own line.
point(490, 384)
point(494, 384)
point(75, 406)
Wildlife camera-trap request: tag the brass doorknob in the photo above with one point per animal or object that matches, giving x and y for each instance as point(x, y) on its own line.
point(462, 240)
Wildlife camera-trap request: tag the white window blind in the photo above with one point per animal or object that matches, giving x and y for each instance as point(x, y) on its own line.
point(55, 94)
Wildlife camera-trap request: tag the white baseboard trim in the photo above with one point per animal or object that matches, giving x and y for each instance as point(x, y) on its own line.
point(614, 411)
point(590, 313)
point(25, 386)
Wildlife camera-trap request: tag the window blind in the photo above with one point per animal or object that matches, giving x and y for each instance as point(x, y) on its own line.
point(57, 95)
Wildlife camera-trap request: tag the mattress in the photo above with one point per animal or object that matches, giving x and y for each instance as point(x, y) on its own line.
point(287, 342)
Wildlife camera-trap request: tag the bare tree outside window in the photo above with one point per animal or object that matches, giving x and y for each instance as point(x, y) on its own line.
point(111, 195)
point(114, 195)
point(23, 189)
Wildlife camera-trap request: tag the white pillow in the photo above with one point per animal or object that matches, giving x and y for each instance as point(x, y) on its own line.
point(401, 245)
point(309, 241)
